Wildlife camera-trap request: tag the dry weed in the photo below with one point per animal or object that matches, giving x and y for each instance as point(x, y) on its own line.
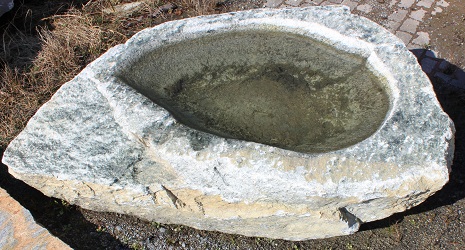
point(200, 7)
point(18, 102)
point(68, 48)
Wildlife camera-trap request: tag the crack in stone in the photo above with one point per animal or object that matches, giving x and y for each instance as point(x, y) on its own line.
point(178, 203)
point(352, 221)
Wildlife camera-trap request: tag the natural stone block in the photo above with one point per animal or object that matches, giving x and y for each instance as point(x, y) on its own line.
point(18, 230)
point(290, 123)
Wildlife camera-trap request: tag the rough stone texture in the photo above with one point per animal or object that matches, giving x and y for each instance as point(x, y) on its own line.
point(5, 6)
point(100, 144)
point(18, 229)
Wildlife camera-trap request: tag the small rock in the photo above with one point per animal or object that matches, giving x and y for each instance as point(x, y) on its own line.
point(124, 9)
point(164, 9)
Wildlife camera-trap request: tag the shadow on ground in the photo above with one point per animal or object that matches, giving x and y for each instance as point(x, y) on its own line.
point(449, 84)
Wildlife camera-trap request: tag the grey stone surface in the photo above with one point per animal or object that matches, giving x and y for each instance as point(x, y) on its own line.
point(294, 3)
point(444, 77)
point(273, 3)
point(425, 3)
point(406, 3)
point(422, 39)
point(18, 230)
point(350, 4)
point(5, 6)
point(409, 25)
point(443, 65)
point(398, 16)
point(364, 8)
point(315, 1)
point(404, 36)
point(102, 145)
point(418, 14)
point(428, 65)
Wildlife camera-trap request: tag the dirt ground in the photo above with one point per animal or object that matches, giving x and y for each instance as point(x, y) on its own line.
point(438, 223)
point(447, 31)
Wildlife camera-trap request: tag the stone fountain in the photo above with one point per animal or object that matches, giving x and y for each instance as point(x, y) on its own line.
point(292, 123)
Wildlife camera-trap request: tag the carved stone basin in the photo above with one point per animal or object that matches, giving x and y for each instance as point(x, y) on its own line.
point(272, 87)
point(292, 123)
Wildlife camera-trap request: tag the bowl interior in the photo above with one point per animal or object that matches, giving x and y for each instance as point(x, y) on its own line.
point(270, 87)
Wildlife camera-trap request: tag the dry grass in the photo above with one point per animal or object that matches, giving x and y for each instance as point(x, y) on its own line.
point(71, 45)
point(34, 66)
point(200, 7)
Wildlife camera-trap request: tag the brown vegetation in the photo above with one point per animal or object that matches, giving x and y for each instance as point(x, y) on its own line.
point(34, 66)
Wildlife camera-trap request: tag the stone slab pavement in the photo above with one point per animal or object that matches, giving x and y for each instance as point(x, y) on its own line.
point(404, 18)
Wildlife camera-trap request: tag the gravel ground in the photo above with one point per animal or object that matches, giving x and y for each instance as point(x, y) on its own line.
point(438, 223)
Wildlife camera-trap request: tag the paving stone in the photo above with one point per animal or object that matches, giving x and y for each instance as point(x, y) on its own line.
point(457, 83)
point(431, 53)
point(428, 64)
point(443, 77)
point(307, 5)
point(418, 14)
point(393, 2)
point(392, 26)
point(406, 3)
point(273, 3)
point(436, 11)
point(425, 3)
point(336, 1)
point(442, 3)
point(398, 16)
point(366, 8)
point(443, 65)
point(409, 25)
point(325, 3)
point(460, 75)
point(421, 39)
point(315, 2)
point(404, 36)
point(350, 4)
point(418, 53)
point(294, 3)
